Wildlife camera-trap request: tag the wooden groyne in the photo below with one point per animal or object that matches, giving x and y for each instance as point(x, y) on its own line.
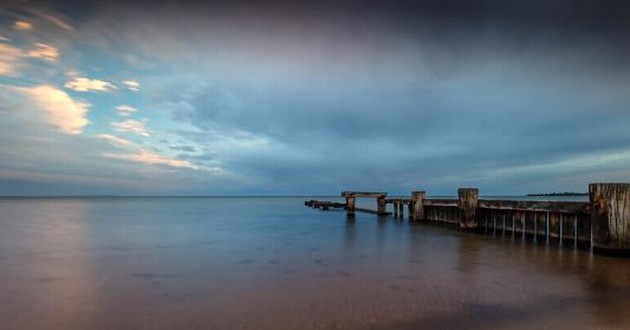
point(602, 223)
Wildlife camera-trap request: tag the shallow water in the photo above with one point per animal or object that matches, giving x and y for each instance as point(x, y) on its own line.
point(271, 263)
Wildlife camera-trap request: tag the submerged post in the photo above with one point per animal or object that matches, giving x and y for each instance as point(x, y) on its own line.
point(350, 199)
point(381, 205)
point(417, 205)
point(468, 202)
point(610, 219)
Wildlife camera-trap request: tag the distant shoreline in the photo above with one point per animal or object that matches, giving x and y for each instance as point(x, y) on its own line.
point(558, 194)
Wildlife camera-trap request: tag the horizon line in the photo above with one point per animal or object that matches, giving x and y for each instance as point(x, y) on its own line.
point(251, 196)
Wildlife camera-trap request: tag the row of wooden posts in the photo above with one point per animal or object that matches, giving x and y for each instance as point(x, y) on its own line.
point(604, 221)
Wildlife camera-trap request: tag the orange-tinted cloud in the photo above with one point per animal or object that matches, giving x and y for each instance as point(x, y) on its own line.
point(59, 109)
point(114, 140)
point(12, 57)
point(132, 126)
point(148, 157)
point(9, 59)
point(43, 51)
point(22, 25)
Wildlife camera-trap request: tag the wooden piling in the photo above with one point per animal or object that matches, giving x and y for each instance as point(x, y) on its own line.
point(417, 206)
point(561, 223)
point(350, 205)
point(610, 217)
point(381, 205)
point(468, 203)
point(547, 228)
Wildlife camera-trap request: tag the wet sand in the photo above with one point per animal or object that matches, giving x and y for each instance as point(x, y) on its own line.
point(273, 264)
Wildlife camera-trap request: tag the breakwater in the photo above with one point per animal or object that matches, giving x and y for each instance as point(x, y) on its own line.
point(601, 224)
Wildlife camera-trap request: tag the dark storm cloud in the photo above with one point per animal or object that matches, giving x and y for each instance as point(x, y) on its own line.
point(578, 15)
point(428, 91)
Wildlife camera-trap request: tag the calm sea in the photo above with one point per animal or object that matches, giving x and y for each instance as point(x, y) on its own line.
point(271, 263)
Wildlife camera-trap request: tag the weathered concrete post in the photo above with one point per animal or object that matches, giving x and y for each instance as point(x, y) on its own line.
point(417, 205)
point(381, 205)
point(468, 202)
point(610, 219)
point(350, 199)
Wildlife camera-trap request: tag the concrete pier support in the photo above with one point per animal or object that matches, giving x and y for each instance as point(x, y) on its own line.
point(350, 206)
point(417, 206)
point(610, 219)
point(381, 205)
point(468, 203)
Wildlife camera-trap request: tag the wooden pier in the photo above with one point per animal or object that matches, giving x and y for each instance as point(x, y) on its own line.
point(602, 223)
point(324, 205)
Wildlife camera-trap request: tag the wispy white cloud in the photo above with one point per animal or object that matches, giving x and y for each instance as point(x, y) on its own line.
point(151, 158)
point(4, 39)
point(125, 110)
point(81, 84)
point(132, 126)
point(114, 140)
point(43, 51)
point(55, 20)
point(22, 25)
point(60, 110)
point(9, 59)
point(132, 85)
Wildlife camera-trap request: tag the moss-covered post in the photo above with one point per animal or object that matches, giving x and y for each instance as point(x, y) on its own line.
point(468, 202)
point(417, 205)
point(610, 219)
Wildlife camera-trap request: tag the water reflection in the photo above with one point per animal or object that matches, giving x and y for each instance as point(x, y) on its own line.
point(256, 264)
point(54, 280)
point(492, 274)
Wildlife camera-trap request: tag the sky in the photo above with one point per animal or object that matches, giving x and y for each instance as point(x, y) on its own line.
point(294, 98)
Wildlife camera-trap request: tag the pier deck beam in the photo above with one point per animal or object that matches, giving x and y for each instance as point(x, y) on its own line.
point(417, 206)
point(468, 203)
point(610, 219)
